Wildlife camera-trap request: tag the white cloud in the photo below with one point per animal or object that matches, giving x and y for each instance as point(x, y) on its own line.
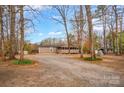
point(40, 7)
point(54, 33)
point(40, 34)
point(29, 31)
point(37, 7)
point(100, 28)
point(56, 17)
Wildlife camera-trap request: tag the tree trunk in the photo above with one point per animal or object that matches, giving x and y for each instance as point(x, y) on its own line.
point(104, 33)
point(2, 34)
point(90, 27)
point(67, 35)
point(120, 39)
point(12, 32)
point(22, 33)
point(81, 31)
point(113, 41)
point(116, 39)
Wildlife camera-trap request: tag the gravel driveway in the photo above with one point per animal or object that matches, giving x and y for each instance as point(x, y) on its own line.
point(60, 71)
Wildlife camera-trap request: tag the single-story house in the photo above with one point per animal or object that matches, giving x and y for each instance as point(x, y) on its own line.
point(57, 49)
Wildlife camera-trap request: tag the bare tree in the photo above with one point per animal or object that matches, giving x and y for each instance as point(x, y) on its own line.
point(121, 29)
point(116, 22)
point(103, 10)
point(76, 27)
point(102, 15)
point(90, 28)
point(78, 23)
point(63, 12)
point(110, 24)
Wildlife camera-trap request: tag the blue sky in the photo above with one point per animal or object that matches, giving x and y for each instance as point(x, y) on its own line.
point(44, 26)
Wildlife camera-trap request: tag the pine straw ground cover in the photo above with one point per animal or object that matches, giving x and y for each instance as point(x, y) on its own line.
point(111, 61)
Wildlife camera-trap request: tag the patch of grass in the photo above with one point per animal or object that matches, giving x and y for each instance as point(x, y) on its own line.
point(1, 62)
point(90, 59)
point(23, 62)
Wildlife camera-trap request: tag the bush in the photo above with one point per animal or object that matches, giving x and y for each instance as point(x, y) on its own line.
point(23, 62)
point(90, 59)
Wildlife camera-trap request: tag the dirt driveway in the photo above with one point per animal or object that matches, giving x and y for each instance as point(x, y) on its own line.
point(60, 71)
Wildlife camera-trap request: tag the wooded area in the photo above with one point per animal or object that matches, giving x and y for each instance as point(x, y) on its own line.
point(83, 34)
point(11, 31)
